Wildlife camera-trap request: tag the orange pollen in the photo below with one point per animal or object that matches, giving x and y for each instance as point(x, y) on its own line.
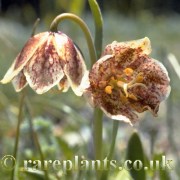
point(132, 96)
point(108, 89)
point(128, 71)
point(139, 78)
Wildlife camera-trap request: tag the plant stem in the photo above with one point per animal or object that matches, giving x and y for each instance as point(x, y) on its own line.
point(111, 150)
point(84, 28)
point(20, 118)
point(114, 135)
point(98, 146)
point(98, 21)
point(35, 26)
point(98, 133)
point(35, 137)
point(98, 114)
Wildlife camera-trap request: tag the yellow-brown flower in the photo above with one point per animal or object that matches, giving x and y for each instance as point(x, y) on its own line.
point(126, 81)
point(47, 59)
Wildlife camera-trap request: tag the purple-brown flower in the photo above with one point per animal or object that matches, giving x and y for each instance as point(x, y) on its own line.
point(47, 59)
point(126, 81)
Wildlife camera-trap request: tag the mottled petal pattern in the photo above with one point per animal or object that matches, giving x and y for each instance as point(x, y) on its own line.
point(74, 67)
point(48, 59)
point(144, 44)
point(63, 84)
point(24, 56)
point(44, 70)
point(126, 81)
point(19, 81)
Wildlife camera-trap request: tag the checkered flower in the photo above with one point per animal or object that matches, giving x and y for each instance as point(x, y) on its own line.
point(126, 81)
point(47, 59)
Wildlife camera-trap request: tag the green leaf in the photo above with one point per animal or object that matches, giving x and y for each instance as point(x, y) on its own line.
point(135, 154)
point(163, 173)
point(31, 174)
point(77, 6)
point(65, 148)
point(98, 21)
point(124, 175)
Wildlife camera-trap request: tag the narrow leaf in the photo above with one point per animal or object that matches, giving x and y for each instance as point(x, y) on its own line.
point(135, 155)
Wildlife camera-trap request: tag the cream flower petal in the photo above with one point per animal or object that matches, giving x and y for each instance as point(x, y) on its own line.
point(80, 71)
point(44, 70)
point(24, 56)
point(144, 44)
point(63, 85)
point(19, 81)
point(128, 82)
point(74, 66)
point(10, 74)
point(121, 117)
point(157, 84)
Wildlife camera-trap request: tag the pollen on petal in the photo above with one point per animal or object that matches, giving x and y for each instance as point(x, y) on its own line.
point(108, 89)
point(139, 78)
point(128, 71)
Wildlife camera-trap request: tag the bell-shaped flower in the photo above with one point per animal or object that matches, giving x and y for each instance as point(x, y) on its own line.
point(125, 81)
point(47, 59)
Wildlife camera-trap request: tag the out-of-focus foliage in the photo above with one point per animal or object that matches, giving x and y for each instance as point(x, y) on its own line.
point(63, 122)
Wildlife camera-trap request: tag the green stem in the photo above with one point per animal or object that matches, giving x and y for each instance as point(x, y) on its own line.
point(111, 150)
point(98, 133)
point(84, 28)
point(35, 137)
point(98, 21)
point(98, 114)
point(20, 118)
point(98, 146)
point(114, 135)
point(35, 26)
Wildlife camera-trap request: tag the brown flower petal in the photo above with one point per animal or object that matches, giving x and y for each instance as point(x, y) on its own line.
point(48, 59)
point(125, 81)
point(19, 81)
point(44, 70)
point(63, 84)
point(24, 56)
point(74, 67)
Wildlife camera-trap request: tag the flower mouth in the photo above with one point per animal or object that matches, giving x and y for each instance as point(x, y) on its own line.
point(124, 83)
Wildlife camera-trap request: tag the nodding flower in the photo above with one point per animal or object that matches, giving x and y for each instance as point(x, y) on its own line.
point(126, 81)
point(47, 59)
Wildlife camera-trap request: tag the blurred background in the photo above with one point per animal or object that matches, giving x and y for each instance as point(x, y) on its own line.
point(63, 121)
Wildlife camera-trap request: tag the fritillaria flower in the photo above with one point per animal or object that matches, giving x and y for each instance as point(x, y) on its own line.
point(47, 59)
point(125, 81)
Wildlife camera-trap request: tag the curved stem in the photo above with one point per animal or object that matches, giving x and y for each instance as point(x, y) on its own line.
point(83, 26)
point(98, 21)
point(20, 117)
point(35, 26)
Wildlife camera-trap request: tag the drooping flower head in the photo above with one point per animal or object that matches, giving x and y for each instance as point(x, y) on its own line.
point(126, 81)
point(47, 59)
